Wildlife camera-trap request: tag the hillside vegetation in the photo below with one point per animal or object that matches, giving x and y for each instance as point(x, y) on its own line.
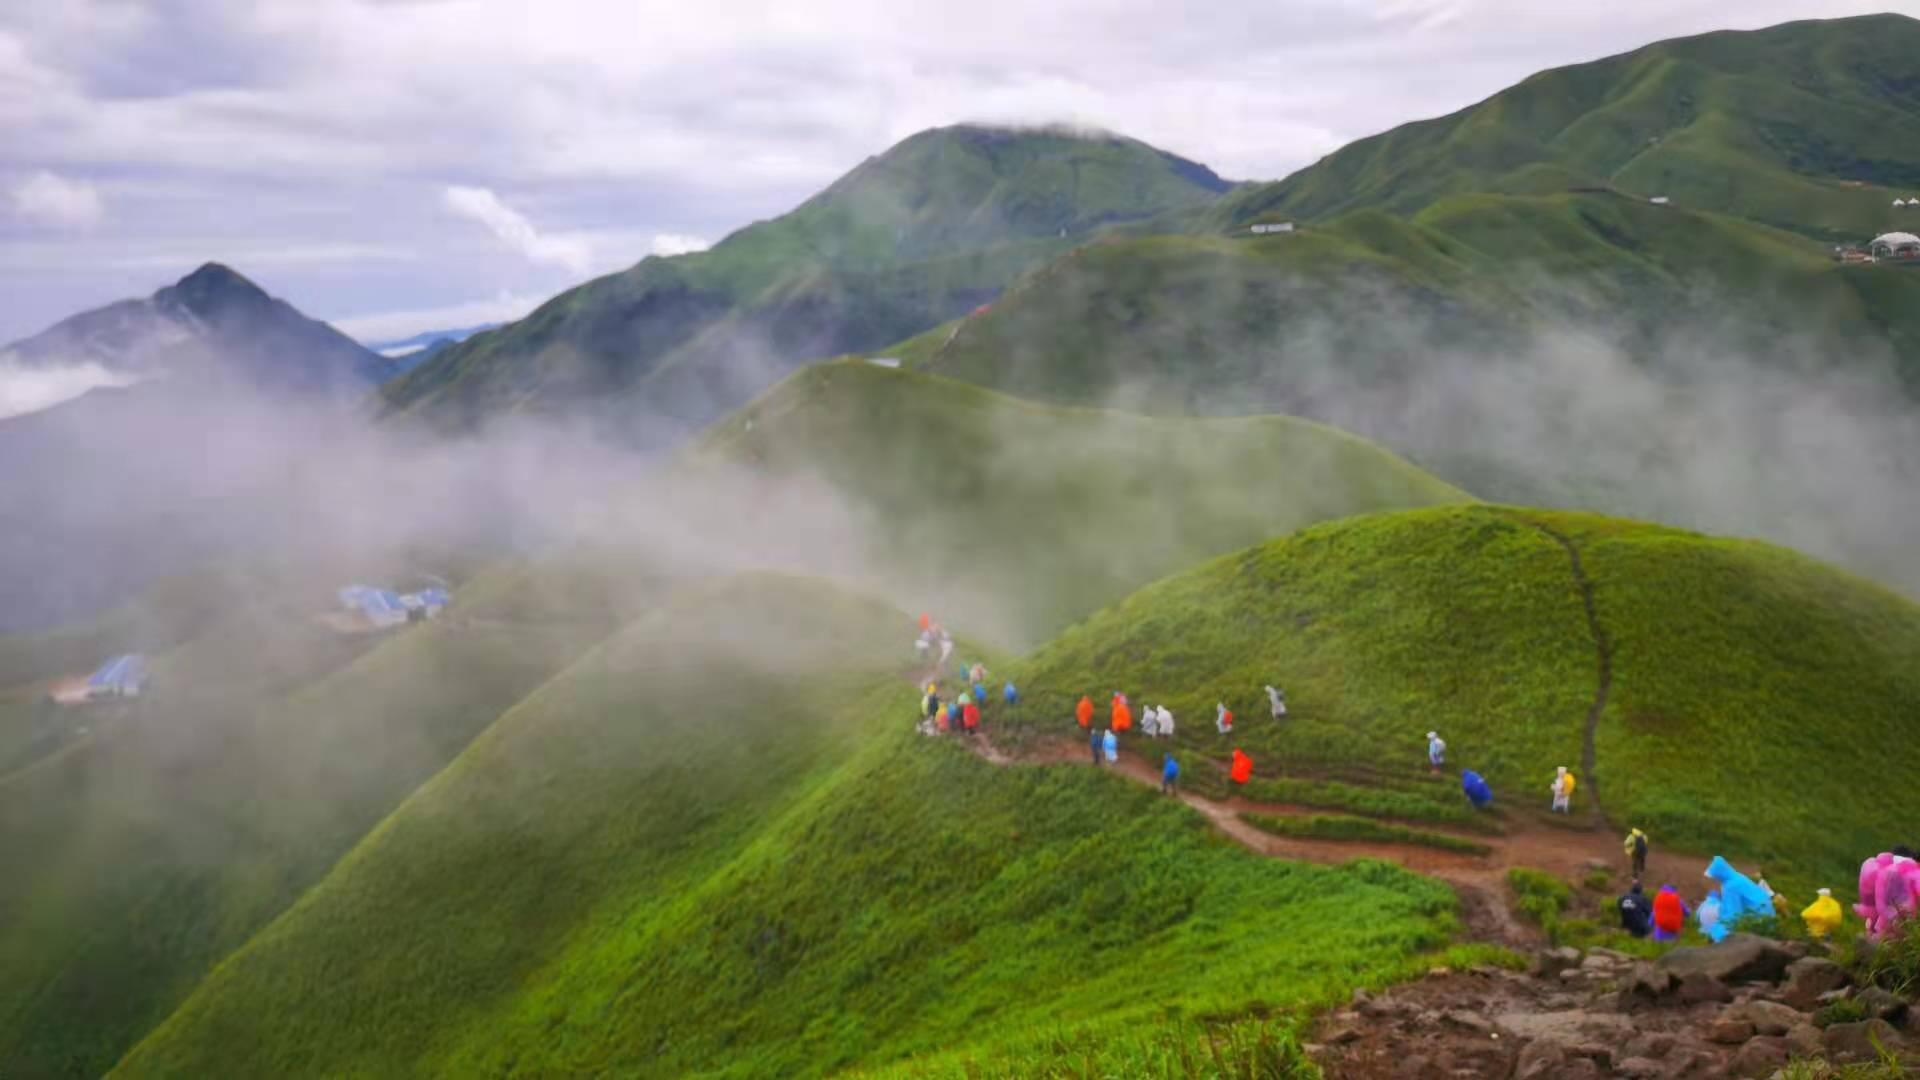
point(1748, 684)
point(172, 830)
point(1810, 126)
point(1012, 519)
point(933, 227)
point(715, 846)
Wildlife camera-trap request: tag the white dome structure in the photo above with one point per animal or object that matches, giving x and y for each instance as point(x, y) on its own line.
point(1895, 245)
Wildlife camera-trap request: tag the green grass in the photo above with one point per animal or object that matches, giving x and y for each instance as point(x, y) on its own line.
point(1349, 827)
point(672, 861)
point(1468, 620)
point(165, 838)
point(1539, 896)
point(1011, 519)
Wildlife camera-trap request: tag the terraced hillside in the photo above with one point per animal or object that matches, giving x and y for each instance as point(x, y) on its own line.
point(714, 845)
point(1013, 519)
point(161, 837)
point(1709, 691)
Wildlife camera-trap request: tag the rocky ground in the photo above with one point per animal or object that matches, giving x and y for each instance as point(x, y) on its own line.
point(1743, 1008)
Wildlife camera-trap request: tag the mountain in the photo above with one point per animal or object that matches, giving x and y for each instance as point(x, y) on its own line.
point(407, 353)
point(715, 846)
point(1672, 671)
point(211, 324)
point(1015, 519)
point(1812, 127)
point(932, 228)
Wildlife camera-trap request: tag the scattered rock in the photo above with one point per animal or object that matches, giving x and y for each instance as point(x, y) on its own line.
point(1881, 1004)
point(1596, 962)
point(1479, 1025)
point(1805, 1039)
point(1653, 1044)
point(1640, 1068)
point(1439, 972)
point(1832, 996)
point(1548, 963)
point(1847, 1044)
point(1767, 1017)
point(1612, 954)
point(1739, 958)
point(1343, 1035)
point(1361, 999)
point(1730, 1031)
point(1696, 987)
point(1540, 1060)
point(1811, 977)
point(1760, 1057)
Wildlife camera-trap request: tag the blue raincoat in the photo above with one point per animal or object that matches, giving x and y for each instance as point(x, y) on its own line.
point(979, 693)
point(1739, 897)
point(1110, 746)
point(1011, 694)
point(1170, 771)
point(953, 712)
point(1477, 791)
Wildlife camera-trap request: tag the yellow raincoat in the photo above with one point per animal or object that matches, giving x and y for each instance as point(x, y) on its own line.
point(1823, 915)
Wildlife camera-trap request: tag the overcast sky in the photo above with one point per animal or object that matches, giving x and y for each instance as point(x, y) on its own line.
point(400, 165)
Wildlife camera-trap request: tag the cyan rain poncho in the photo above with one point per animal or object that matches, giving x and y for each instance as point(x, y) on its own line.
point(1709, 916)
point(1110, 746)
point(1475, 787)
point(1739, 898)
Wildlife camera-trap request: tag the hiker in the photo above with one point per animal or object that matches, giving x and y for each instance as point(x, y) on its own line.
point(1010, 695)
point(970, 716)
point(1110, 746)
point(1242, 770)
point(1169, 773)
point(1708, 917)
point(953, 716)
point(1436, 752)
point(1083, 712)
point(1636, 849)
point(931, 703)
point(1669, 914)
point(1636, 912)
point(1166, 722)
point(1739, 897)
point(1222, 719)
point(1279, 702)
point(977, 673)
point(1122, 715)
point(979, 693)
point(946, 645)
point(1823, 916)
point(1093, 744)
point(1889, 892)
point(923, 645)
point(1562, 791)
point(1476, 789)
point(1149, 723)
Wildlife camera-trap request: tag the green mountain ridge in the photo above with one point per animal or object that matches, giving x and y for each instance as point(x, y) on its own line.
point(933, 227)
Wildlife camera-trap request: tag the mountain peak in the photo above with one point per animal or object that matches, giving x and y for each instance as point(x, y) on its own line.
point(214, 285)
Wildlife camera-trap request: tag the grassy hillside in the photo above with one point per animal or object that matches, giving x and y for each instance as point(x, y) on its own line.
point(1013, 519)
point(1748, 683)
point(1810, 126)
point(929, 229)
point(714, 846)
point(153, 845)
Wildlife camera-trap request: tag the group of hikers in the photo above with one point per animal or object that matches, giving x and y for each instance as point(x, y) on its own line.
point(1889, 895)
point(1475, 787)
point(1156, 721)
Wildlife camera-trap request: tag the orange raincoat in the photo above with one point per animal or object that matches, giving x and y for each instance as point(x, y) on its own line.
point(1242, 767)
point(1122, 716)
point(1084, 710)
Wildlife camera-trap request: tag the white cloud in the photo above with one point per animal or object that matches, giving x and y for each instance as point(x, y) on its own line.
point(676, 244)
point(389, 325)
point(512, 227)
point(29, 389)
point(48, 199)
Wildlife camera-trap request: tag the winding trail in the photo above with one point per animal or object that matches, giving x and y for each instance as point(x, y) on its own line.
point(1478, 879)
point(1603, 648)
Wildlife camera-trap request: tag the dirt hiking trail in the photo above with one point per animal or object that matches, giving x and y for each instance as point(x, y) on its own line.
point(1565, 851)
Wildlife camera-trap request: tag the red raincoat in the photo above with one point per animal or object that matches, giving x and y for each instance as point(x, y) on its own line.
point(1668, 913)
point(1242, 767)
point(970, 716)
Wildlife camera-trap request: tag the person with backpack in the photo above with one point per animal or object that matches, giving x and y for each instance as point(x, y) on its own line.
point(1222, 719)
point(1636, 849)
point(1476, 789)
point(1169, 773)
point(970, 717)
point(1562, 788)
point(1436, 752)
point(1636, 911)
point(1669, 914)
point(1242, 770)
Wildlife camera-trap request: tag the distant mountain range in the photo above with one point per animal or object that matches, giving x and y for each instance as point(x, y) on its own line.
point(211, 324)
point(409, 351)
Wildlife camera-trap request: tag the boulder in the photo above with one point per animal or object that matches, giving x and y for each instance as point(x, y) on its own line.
point(1540, 1060)
point(1640, 1068)
point(1730, 1031)
point(1740, 958)
point(1549, 963)
point(1696, 987)
point(1343, 1035)
point(1767, 1017)
point(1650, 981)
point(1882, 1005)
point(1466, 1021)
point(1848, 1044)
point(1760, 1057)
point(1652, 1044)
point(1805, 1040)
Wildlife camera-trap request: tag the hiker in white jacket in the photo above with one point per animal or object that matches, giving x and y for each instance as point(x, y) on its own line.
point(1279, 702)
